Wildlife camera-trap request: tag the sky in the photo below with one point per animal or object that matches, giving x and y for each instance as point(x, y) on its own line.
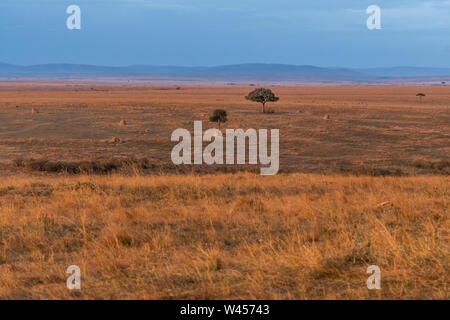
point(327, 33)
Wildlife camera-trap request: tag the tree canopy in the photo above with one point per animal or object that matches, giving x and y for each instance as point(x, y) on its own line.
point(262, 96)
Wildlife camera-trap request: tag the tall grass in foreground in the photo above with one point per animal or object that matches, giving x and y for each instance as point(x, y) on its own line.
point(224, 236)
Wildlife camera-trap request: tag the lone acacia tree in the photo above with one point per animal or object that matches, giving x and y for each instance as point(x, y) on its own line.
point(421, 95)
point(219, 116)
point(262, 96)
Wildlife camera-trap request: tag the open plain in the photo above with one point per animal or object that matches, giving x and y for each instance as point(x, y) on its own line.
point(386, 128)
point(364, 180)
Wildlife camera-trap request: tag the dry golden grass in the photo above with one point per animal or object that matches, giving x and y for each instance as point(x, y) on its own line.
point(244, 236)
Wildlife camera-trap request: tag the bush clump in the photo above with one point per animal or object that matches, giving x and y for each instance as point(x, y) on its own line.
point(372, 171)
point(83, 167)
point(441, 166)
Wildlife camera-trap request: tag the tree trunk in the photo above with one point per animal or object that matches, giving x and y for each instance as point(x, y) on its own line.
point(263, 110)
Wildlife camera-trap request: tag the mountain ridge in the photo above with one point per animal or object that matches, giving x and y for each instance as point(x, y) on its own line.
point(275, 71)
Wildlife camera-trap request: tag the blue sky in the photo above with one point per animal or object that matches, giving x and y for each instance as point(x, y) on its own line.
point(209, 32)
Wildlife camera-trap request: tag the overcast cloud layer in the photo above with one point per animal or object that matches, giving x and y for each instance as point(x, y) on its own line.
point(210, 32)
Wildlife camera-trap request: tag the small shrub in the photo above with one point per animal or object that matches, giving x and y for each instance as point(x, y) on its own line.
point(219, 116)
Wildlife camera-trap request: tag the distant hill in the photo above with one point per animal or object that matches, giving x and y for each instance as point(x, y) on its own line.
point(406, 72)
point(251, 71)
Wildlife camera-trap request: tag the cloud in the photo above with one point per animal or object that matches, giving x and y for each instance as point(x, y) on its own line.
point(424, 15)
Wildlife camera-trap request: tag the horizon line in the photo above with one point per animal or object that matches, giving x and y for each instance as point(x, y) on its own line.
point(221, 65)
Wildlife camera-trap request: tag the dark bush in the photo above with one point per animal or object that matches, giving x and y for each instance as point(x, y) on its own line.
point(372, 171)
point(83, 167)
point(441, 166)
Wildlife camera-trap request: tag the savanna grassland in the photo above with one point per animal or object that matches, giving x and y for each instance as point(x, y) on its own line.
point(383, 128)
point(370, 186)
